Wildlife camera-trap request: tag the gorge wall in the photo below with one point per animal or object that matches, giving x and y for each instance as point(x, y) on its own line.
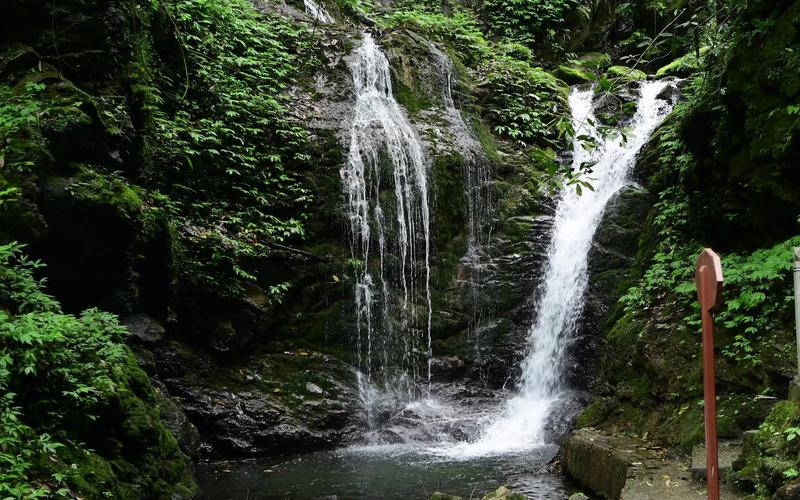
point(179, 165)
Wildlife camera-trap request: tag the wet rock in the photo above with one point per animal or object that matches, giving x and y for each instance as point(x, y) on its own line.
point(504, 493)
point(609, 266)
point(446, 368)
point(790, 491)
point(615, 108)
point(257, 406)
point(314, 388)
point(601, 462)
point(176, 421)
point(144, 328)
point(444, 496)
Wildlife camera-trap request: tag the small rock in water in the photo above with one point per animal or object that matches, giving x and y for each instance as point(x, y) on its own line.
point(438, 495)
point(578, 496)
point(313, 388)
point(504, 493)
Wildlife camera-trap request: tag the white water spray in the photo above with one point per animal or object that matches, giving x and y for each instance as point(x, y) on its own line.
point(386, 189)
point(521, 424)
point(317, 12)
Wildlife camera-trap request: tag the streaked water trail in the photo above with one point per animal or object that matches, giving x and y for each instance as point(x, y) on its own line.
point(317, 12)
point(386, 192)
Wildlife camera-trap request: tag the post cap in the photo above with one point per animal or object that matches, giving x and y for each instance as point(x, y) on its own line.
point(708, 279)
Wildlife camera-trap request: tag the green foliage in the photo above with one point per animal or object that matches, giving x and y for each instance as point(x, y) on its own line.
point(459, 30)
point(770, 458)
point(525, 103)
point(58, 374)
point(757, 296)
point(672, 263)
point(28, 110)
point(228, 155)
point(791, 433)
point(756, 290)
point(20, 291)
point(533, 21)
point(18, 112)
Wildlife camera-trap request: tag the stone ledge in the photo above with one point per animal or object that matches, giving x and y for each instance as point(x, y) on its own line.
point(621, 467)
point(604, 463)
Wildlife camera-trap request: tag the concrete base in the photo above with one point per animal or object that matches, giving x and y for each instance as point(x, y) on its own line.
point(619, 467)
point(794, 390)
point(729, 451)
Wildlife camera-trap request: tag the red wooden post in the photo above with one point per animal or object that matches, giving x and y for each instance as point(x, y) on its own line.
point(708, 277)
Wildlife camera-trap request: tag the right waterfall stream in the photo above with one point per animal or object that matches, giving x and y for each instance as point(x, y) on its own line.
point(522, 423)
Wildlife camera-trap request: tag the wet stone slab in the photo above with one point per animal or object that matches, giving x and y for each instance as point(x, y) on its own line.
point(621, 467)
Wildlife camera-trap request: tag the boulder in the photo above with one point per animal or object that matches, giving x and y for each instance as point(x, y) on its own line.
point(144, 328)
point(268, 403)
point(504, 493)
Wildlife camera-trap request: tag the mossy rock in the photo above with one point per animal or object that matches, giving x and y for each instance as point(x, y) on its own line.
point(682, 66)
point(771, 453)
point(626, 74)
point(106, 191)
point(438, 495)
point(594, 60)
point(574, 74)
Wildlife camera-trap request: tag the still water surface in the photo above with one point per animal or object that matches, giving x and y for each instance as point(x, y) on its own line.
point(381, 472)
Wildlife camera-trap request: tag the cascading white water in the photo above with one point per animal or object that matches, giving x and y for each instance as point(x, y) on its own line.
point(477, 174)
point(317, 12)
point(522, 422)
point(386, 189)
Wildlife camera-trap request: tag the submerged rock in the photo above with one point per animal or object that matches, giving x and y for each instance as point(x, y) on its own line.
point(504, 493)
point(444, 496)
point(501, 493)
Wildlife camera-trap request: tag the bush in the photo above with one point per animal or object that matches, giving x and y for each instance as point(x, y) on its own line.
point(71, 391)
point(525, 103)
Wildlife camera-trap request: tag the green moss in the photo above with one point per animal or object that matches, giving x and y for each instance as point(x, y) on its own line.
point(772, 451)
point(594, 61)
point(593, 415)
point(682, 66)
point(626, 74)
point(486, 138)
point(574, 74)
point(412, 99)
point(106, 191)
point(448, 179)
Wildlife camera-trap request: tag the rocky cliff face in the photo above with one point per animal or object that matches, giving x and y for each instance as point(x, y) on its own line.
point(260, 360)
point(250, 375)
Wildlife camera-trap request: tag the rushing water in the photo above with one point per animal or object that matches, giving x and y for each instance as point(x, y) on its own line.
point(317, 12)
point(386, 190)
point(522, 423)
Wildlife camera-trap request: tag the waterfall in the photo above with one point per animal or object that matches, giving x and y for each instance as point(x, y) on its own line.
point(317, 12)
point(477, 174)
point(386, 192)
point(521, 424)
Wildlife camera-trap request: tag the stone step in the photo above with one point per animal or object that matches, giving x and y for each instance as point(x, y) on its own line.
point(729, 451)
point(621, 467)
